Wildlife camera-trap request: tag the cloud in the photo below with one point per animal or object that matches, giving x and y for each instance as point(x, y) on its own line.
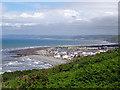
point(55, 16)
point(105, 25)
point(44, 17)
point(71, 18)
point(110, 13)
point(9, 16)
point(35, 15)
point(18, 24)
point(24, 15)
point(70, 13)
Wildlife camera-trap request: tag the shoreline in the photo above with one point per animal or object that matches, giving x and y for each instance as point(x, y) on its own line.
point(34, 51)
point(28, 51)
point(37, 54)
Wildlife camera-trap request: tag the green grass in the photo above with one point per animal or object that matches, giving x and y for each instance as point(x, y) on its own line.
point(99, 71)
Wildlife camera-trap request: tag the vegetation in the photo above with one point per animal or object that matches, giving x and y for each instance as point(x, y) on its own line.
point(99, 71)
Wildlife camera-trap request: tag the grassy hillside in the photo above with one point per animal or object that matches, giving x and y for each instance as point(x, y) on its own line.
point(99, 71)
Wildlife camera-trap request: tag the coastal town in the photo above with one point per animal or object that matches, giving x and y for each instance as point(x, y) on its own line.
point(60, 54)
point(70, 52)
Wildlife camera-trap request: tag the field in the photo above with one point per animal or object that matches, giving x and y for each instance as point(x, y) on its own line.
point(99, 71)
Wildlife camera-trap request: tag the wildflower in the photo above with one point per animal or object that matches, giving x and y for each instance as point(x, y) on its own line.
point(108, 51)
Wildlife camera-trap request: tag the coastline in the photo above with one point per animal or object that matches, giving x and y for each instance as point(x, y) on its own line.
point(28, 51)
point(36, 50)
point(108, 42)
point(36, 55)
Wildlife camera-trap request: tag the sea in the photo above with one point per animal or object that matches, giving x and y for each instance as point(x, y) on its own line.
point(10, 64)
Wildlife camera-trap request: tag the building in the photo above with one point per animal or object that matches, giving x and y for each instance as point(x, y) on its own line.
point(57, 56)
point(65, 56)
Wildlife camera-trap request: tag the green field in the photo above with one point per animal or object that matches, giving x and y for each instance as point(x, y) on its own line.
point(99, 71)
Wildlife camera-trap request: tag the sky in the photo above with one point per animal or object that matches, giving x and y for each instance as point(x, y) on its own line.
point(60, 18)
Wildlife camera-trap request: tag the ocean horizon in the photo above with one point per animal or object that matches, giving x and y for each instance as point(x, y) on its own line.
point(10, 43)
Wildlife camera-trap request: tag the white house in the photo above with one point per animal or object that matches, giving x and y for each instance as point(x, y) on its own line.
point(101, 50)
point(64, 52)
point(83, 53)
point(76, 53)
point(57, 56)
point(72, 55)
point(65, 56)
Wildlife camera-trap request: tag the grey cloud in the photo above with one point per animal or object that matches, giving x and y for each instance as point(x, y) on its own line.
point(91, 19)
point(106, 25)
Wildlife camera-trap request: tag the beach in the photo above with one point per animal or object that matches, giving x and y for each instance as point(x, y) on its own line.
point(37, 54)
point(27, 52)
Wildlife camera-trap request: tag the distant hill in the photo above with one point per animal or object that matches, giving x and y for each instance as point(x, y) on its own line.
point(112, 39)
point(109, 38)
